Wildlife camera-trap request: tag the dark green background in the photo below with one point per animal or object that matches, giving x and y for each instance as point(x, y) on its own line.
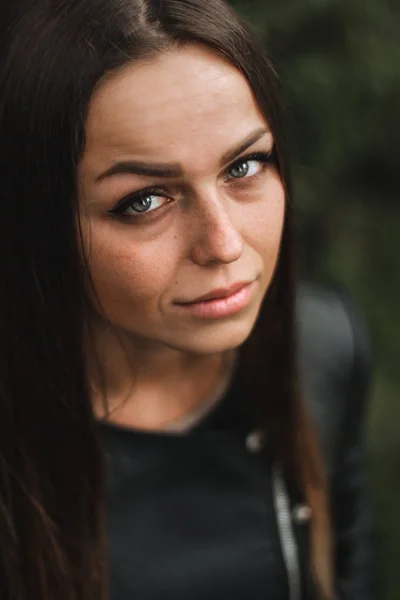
point(339, 63)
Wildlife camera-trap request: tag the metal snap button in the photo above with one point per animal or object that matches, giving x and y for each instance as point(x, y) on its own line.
point(301, 514)
point(255, 441)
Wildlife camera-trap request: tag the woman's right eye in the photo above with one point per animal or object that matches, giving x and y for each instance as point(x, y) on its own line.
point(140, 204)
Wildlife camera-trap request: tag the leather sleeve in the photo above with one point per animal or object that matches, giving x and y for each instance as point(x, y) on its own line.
point(351, 509)
point(335, 363)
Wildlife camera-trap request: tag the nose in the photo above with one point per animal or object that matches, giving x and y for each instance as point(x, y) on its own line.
point(216, 238)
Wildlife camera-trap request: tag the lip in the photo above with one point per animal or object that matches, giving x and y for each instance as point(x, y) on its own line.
point(219, 293)
point(222, 302)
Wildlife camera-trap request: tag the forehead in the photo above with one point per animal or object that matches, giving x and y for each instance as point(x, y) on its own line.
point(171, 105)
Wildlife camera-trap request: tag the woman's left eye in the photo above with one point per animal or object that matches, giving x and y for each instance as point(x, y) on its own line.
point(250, 165)
point(247, 168)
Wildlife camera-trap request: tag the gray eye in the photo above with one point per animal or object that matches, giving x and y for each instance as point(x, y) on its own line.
point(142, 204)
point(239, 170)
point(245, 169)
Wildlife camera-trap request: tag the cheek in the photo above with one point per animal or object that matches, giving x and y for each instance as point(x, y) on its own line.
point(264, 221)
point(127, 273)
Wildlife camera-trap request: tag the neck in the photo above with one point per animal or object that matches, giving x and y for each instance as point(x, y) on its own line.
point(148, 387)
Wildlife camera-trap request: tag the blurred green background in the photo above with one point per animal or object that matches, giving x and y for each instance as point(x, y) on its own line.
point(339, 63)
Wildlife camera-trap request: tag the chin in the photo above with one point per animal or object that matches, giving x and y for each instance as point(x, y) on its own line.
point(215, 338)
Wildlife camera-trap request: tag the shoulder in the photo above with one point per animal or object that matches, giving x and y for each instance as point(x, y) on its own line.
point(334, 360)
point(331, 331)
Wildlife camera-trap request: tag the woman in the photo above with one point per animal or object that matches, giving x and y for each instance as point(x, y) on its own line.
point(148, 312)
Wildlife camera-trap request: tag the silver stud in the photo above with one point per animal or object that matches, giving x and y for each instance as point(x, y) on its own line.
point(301, 514)
point(255, 441)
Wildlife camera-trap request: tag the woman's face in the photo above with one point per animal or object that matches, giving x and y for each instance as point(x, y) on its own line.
point(180, 200)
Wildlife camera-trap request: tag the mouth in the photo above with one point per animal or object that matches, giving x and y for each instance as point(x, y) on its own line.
point(218, 293)
point(221, 302)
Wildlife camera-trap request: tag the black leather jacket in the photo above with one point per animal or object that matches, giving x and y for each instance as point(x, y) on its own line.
point(207, 515)
point(335, 363)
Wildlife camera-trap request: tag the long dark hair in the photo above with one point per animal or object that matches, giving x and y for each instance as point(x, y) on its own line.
point(53, 54)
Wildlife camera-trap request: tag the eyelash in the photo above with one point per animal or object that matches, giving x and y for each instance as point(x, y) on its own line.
point(118, 211)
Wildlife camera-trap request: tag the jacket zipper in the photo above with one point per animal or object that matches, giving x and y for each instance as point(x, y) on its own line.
point(286, 534)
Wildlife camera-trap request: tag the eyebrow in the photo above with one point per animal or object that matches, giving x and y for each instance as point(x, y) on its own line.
point(174, 170)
